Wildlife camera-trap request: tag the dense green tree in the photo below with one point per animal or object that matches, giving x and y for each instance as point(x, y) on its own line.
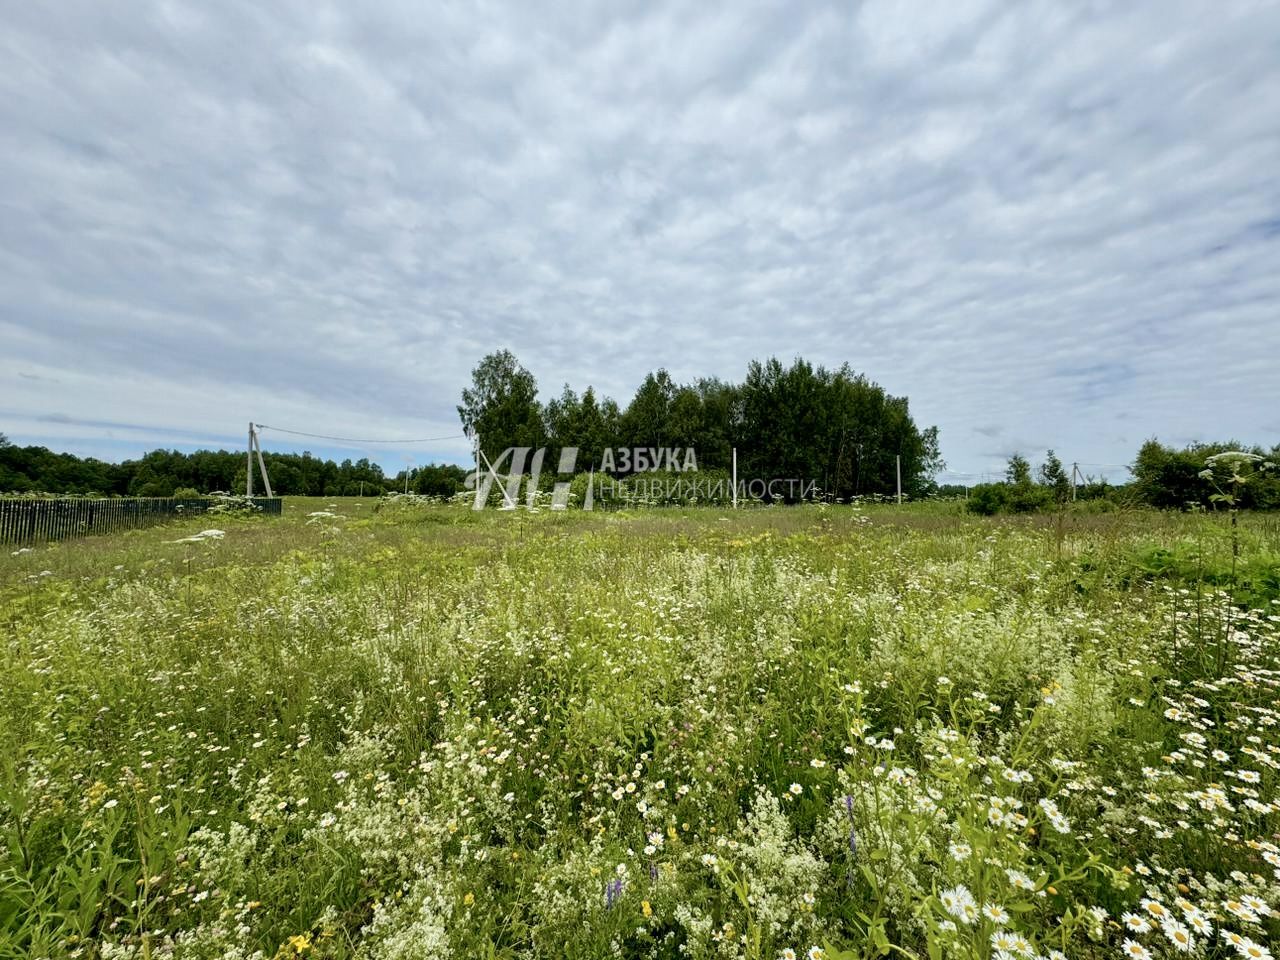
point(160, 472)
point(836, 428)
point(1018, 471)
point(581, 423)
point(1169, 477)
point(501, 405)
point(647, 420)
point(442, 480)
point(1054, 476)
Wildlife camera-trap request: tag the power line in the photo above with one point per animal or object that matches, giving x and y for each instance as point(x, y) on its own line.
point(321, 436)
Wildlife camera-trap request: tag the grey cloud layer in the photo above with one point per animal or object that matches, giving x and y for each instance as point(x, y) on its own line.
point(1049, 226)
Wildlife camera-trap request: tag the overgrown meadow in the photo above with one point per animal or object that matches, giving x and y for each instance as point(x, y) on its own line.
point(408, 730)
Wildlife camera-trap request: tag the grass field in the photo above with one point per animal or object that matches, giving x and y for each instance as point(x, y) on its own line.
point(418, 732)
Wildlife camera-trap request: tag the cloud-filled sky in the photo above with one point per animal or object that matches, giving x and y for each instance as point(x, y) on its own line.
point(1049, 225)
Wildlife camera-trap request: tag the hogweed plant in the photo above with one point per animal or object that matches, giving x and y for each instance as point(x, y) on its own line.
point(1229, 473)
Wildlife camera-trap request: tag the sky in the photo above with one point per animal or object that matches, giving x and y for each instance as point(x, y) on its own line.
point(1049, 225)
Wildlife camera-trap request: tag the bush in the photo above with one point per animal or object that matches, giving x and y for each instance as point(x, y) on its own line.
point(988, 499)
point(186, 493)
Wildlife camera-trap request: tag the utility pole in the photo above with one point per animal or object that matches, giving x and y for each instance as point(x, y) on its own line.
point(254, 447)
point(1075, 468)
point(257, 445)
point(735, 478)
point(898, 469)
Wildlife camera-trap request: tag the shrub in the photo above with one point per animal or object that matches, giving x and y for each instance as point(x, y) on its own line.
point(988, 499)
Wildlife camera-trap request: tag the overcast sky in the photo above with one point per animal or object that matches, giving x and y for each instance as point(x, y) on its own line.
point(1049, 225)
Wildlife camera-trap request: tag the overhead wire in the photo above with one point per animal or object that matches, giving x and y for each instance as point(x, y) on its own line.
point(322, 436)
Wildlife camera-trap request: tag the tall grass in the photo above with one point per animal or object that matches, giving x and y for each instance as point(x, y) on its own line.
point(405, 730)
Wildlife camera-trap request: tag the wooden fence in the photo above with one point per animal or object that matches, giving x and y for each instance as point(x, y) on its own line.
point(29, 520)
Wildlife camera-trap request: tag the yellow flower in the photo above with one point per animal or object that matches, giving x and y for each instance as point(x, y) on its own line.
point(645, 908)
point(301, 943)
point(469, 899)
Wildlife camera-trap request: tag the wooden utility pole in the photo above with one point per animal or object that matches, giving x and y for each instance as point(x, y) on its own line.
point(898, 469)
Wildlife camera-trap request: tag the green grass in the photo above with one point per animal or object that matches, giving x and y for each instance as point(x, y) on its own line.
point(420, 731)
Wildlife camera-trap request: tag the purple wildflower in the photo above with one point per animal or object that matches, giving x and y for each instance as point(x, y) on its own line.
point(612, 890)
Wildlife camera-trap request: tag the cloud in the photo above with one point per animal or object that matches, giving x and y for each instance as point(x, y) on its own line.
point(1033, 219)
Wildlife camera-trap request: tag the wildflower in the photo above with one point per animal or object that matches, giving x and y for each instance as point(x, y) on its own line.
point(1135, 951)
point(1155, 908)
point(612, 890)
point(1002, 940)
point(1135, 923)
point(1242, 911)
point(816, 953)
point(787, 954)
point(959, 902)
point(1200, 924)
point(646, 908)
point(995, 913)
point(795, 789)
point(1178, 935)
point(1256, 904)
point(1253, 951)
point(1019, 880)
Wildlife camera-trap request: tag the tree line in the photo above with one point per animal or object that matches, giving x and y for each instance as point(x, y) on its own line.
point(162, 473)
point(833, 427)
point(1166, 477)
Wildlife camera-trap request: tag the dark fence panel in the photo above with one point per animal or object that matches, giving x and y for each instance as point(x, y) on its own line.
point(26, 521)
